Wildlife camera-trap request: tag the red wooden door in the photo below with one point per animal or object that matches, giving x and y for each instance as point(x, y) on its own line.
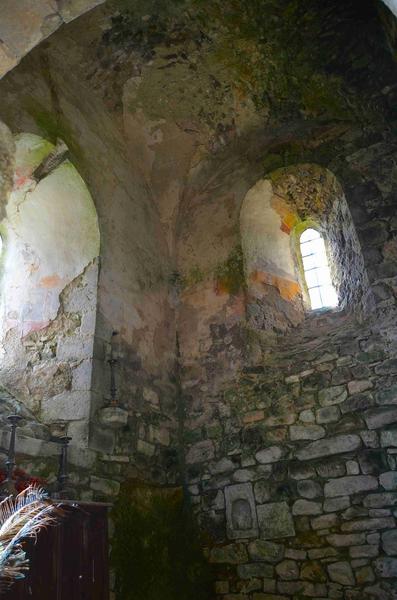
point(68, 561)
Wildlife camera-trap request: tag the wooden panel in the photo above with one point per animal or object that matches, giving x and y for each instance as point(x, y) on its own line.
point(69, 561)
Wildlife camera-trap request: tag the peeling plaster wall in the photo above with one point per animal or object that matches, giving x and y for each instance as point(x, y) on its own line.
point(135, 295)
point(49, 289)
point(269, 261)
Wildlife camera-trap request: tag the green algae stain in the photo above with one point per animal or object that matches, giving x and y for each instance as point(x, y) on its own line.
point(54, 128)
point(229, 275)
point(156, 550)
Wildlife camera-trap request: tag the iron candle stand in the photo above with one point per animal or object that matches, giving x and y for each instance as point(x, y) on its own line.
point(8, 484)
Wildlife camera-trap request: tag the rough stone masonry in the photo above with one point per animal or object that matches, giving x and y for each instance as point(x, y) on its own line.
point(203, 136)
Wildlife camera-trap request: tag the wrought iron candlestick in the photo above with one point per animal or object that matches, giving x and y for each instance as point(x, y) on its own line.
point(112, 363)
point(63, 467)
point(8, 485)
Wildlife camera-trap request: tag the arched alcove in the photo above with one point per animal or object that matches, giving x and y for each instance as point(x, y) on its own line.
point(48, 290)
point(274, 213)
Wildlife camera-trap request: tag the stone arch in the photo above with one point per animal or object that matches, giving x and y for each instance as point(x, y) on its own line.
point(49, 271)
point(273, 213)
point(25, 24)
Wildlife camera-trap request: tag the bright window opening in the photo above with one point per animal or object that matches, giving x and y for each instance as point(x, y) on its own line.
point(317, 274)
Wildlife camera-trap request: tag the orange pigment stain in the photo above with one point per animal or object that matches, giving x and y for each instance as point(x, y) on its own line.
point(50, 281)
point(288, 288)
point(288, 218)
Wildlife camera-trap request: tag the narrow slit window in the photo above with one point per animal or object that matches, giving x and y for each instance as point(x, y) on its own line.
point(317, 274)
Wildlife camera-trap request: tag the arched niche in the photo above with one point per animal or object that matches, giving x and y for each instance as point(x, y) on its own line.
point(274, 213)
point(48, 289)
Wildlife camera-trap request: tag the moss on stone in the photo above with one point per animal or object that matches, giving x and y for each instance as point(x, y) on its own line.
point(230, 275)
point(156, 551)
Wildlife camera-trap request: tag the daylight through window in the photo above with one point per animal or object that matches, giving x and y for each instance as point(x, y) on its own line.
point(317, 274)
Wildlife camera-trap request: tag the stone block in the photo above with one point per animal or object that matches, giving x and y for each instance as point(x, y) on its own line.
point(387, 396)
point(269, 585)
point(114, 417)
point(368, 524)
point(364, 551)
point(145, 448)
point(269, 455)
point(250, 585)
point(317, 553)
point(261, 550)
point(340, 540)
point(307, 416)
point(200, 452)
point(372, 462)
point(332, 395)
point(107, 487)
point(370, 439)
point(34, 447)
point(244, 475)
point(225, 465)
point(233, 554)
point(313, 571)
point(328, 414)
point(386, 567)
point(295, 553)
point(253, 416)
point(352, 467)
point(102, 439)
point(388, 438)
point(79, 431)
point(275, 520)
point(379, 417)
point(290, 587)
point(309, 489)
point(159, 435)
point(351, 484)
point(306, 432)
point(387, 367)
point(329, 446)
point(335, 504)
point(358, 403)
point(300, 471)
point(241, 519)
point(388, 480)
point(341, 572)
point(288, 569)
point(380, 500)
point(333, 467)
point(249, 570)
point(358, 386)
point(325, 521)
point(82, 375)
point(364, 575)
point(67, 406)
point(389, 542)
point(306, 507)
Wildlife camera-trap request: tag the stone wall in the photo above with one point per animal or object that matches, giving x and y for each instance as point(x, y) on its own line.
point(295, 477)
point(281, 426)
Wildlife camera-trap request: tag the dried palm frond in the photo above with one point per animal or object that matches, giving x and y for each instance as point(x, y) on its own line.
point(20, 518)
